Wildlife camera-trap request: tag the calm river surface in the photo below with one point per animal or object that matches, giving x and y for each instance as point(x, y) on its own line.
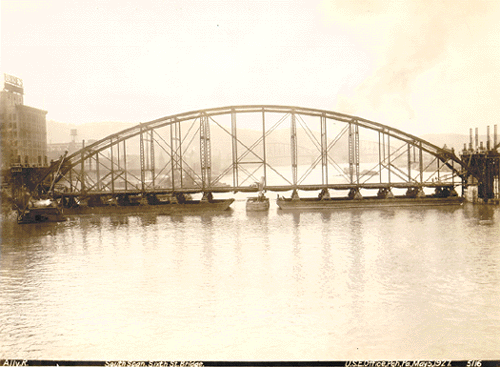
point(349, 284)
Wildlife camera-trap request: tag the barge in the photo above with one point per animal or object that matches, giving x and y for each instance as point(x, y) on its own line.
point(367, 202)
point(384, 198)
point(165, 208)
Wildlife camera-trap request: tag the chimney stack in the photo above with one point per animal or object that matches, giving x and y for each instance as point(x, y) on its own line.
point(495, 135)
point(477, 138)
point(488, 137)
point(471, 139)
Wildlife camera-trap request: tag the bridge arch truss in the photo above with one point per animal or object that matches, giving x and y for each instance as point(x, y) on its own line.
point(236, 148)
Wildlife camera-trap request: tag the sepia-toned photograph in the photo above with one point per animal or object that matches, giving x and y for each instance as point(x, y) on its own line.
point(250, 183)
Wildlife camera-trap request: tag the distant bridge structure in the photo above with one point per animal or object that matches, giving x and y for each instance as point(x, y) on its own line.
point(229, 149)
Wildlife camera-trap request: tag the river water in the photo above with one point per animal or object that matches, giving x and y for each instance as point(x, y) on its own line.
point(393, 283)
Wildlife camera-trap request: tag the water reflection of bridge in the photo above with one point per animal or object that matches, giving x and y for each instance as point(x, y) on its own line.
point(228, 149)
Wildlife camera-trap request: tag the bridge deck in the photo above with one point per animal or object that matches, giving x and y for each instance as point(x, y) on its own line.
point(230, 189)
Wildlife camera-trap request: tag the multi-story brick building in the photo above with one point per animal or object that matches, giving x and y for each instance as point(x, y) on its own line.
point(23, 128)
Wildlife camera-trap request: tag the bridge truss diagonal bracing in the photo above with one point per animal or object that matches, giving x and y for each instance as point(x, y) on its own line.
point(247, 148)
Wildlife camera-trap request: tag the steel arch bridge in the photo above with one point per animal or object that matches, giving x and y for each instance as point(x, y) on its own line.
point(233, 149)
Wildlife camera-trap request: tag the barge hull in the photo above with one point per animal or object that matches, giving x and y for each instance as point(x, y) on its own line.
point(188, 207)
point(369, 202)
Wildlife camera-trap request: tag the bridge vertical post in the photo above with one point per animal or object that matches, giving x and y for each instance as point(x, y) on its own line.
point(234, 143)
point(205, 151)
point(152, 158)
point(118, 157)
point(350, 154)
point(324, 151)
point(421, 163)
point(438, 168)
point(356, 151)
point(125, 164)
point(264, 145)
point(293, 147)
point(380, 157)
point(141, 152)
point(112, 167)
point(179, 149)
point(82, 168)
point(172, 155)
point(98, 176)
point(452, 173)
point(118, 166)
point(175, 152)
point(389, 158)
point(409, 162)
point(353, 152)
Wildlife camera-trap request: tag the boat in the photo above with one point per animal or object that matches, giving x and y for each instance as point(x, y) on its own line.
point(366, 202)
point(160, 207)
point(41, 211)
point(257, 203)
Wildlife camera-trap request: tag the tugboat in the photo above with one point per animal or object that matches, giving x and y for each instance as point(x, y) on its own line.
point(40, 211)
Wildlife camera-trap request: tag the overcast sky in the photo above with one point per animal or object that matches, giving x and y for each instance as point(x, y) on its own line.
point(421, 66)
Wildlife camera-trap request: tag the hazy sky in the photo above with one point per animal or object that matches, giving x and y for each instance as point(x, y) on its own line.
point(421, 66)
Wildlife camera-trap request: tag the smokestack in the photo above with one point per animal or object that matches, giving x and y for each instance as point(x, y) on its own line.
point(477, 138)
point(488, 137)
point(495, 135)
point(471, 139)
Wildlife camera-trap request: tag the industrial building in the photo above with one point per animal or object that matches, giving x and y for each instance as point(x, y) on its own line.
point(23, 128)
